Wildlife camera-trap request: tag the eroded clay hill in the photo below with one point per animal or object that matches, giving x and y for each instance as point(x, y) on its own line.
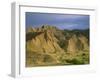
point(48, 45)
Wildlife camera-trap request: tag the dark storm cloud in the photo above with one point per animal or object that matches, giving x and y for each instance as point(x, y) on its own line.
point(62, 21)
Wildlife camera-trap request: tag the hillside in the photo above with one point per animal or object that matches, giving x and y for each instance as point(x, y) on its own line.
point(48, 45)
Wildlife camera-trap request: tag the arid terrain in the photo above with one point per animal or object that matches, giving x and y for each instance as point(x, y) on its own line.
point(47, 46)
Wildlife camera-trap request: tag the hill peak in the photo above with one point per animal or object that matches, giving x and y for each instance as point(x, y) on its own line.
point(48, 27)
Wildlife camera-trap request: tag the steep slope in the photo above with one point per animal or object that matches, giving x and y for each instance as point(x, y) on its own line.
point(48, 45)
point(77, 43)
point(43, 40)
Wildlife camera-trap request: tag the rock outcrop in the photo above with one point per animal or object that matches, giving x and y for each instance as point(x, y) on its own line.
point(54, 43)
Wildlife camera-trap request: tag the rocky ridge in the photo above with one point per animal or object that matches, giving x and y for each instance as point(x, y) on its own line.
point(49, 45)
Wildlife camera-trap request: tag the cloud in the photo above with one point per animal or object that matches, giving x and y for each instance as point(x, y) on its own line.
point(63, 21)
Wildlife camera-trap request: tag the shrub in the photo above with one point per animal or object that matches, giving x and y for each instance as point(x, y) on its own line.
point(75, 61)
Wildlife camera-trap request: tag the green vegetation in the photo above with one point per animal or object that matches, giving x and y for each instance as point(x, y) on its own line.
point(79, 59)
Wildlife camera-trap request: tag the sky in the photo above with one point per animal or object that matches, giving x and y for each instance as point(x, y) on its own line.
point(62, 21)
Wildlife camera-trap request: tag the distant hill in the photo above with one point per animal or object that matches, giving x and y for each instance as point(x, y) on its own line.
point(48, 45)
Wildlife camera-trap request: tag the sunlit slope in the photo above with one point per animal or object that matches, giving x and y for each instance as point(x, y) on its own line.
point(48, 45)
